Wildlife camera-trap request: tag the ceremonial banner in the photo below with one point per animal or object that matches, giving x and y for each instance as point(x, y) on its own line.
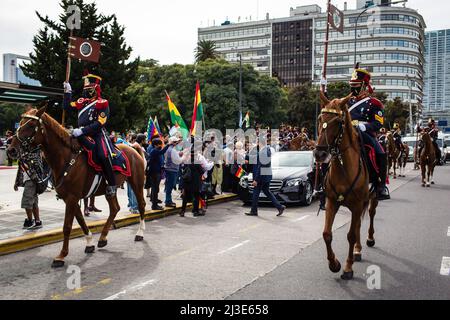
point(84, 49)
point(336, 19)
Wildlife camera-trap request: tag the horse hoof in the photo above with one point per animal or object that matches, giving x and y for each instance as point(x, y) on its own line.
point(335, 267)
point(428, 185)
point(102, 243)
point(357, 257)
point(370, 243)
point(347, 275)
point(90, 249)
point(138, 238)
point(57, 264)
point(423, 185)
point(395, 177)
point(432, 182)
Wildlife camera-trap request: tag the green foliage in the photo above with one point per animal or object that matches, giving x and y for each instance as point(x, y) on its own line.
point(219, 82)
point(49, 59)
point(9, 116)
point(397, 111)
point(206, 49)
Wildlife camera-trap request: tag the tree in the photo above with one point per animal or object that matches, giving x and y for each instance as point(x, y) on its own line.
point(206, 49)
point(9, 116)
point(219, 82)
point(397, 111)
point(49, 58)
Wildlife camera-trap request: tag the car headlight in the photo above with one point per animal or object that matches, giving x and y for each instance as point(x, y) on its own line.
point(294, 182)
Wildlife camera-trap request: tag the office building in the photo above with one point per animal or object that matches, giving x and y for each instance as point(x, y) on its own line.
point(12, 71)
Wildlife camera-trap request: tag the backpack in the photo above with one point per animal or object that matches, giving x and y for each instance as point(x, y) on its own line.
point(186, 174)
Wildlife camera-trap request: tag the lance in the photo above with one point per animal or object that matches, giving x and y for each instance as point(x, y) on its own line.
point(68, 67)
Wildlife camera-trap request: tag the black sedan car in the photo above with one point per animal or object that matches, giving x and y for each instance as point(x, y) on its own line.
point(293, 179)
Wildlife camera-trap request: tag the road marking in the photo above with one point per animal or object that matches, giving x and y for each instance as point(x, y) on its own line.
point(445, 266)
point(254, 226)
point(80, 290)
point(448, 232)
point(234, 247)
point(301, 219)
point(131, 290)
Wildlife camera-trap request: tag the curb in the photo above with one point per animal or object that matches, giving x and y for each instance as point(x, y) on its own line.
point(39, 239)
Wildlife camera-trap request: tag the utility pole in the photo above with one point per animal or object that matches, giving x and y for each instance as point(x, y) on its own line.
point(240, 90)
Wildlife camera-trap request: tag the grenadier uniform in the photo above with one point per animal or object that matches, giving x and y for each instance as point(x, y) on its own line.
point(397, 135)
point(433, 131)
point(93, 113)
point(368, 115)
point(382, 138)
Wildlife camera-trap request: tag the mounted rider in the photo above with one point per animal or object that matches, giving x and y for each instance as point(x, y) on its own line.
point(397, 135)
point(367, 114)
point(93, 113)
point(382, 138)
point(304, 134)
point(433, 131)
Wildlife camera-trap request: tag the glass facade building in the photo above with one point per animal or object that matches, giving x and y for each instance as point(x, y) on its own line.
point(437, 77)
point(12, 71)
point(389, 43)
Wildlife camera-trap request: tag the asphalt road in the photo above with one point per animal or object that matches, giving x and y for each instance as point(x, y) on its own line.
point(227, 255)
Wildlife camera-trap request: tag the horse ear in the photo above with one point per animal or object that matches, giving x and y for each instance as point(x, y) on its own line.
point(41, 111)
point(323, 99)
point(345, 100)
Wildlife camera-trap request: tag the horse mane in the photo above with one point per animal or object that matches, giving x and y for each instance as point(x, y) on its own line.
point(352, 135)
point(59, 131)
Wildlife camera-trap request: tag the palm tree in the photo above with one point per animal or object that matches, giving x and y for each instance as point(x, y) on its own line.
point(206, 49)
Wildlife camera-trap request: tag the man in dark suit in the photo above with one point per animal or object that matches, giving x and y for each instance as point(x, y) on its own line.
point(262, 176)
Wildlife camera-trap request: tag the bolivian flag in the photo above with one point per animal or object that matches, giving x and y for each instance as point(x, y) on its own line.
point(247, 120)
point(197, 114)
point(239, 173)
point(176, 118)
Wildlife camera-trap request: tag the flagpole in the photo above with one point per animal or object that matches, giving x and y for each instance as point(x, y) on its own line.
point(325, 56)
point(68, 67)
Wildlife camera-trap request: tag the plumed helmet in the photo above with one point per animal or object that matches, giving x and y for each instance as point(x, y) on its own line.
point(431, 121)
point(396, 126)
point(92, 84)
point(361, 79)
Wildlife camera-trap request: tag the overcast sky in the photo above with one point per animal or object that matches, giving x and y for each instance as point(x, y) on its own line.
point(166, 30)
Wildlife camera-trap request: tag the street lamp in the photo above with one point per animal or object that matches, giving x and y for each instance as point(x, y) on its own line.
point(365, 10)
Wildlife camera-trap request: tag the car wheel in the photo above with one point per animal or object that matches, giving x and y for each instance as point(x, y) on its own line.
point(307, 196)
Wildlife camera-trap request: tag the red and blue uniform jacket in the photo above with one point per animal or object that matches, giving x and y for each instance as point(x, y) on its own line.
point(369, 111)
point(92, 115)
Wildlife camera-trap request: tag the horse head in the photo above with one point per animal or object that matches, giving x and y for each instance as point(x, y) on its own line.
point(331, 123)
point(30, 133)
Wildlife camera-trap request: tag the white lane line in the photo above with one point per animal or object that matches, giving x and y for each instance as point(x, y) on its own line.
point(448, 232)
point(130, 290)
point(302, 218)
point(234, 247)
point(445, 266)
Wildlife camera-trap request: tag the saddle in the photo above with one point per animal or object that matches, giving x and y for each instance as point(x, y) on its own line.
point(119, 160)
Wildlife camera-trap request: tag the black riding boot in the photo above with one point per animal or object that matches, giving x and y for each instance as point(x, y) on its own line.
point(382, 190)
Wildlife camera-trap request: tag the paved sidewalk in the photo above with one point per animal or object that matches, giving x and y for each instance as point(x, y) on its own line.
point(51, 209)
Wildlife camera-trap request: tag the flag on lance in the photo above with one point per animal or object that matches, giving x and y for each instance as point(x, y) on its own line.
point(84, 49)
point(336, 18)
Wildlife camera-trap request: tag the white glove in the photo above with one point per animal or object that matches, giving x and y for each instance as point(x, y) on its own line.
point(77, 132)
point(67, 87)
point(362, 127)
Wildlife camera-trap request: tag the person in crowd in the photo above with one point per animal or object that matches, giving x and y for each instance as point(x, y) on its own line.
point(9, 137)
point(91, 207)
point(228, 163)
point(192, 176)
point(171, 166)
point(155, 170)
point(262, 176)
point(29, 176)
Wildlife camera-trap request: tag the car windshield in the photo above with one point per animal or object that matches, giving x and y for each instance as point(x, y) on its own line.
point(439, 142)
point(292, 159)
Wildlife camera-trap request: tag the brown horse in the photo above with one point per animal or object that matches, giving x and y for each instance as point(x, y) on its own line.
point(347, 180)
point(427, 160)
point(403, 160)
point(301, 143)
point(393, 154)
point(73, 177)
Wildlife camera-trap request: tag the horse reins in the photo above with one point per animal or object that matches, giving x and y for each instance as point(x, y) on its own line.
point(335, 152)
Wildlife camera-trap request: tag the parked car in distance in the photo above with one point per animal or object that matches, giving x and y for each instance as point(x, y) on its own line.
point(293, 179)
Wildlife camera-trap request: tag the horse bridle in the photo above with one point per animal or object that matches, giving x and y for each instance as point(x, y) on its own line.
point(332, 148)
point(27, 141)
